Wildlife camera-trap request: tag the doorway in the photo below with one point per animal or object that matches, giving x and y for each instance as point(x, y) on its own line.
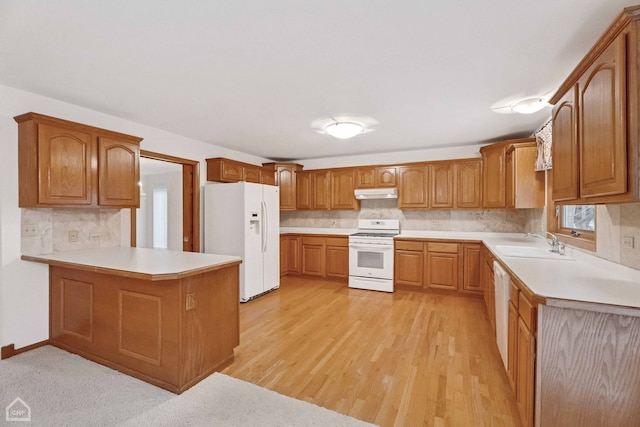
point(167, 182)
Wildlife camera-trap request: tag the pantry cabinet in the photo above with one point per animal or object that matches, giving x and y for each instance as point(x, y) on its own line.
point(65, 164)
point(413, 187)
point(595, 135)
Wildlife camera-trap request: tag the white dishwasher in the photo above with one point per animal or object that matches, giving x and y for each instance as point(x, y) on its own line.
point(501, 283)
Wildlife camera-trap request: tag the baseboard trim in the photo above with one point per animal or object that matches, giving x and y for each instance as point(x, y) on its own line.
point(10, 350)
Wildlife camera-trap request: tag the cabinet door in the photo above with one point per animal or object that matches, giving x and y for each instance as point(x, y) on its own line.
point(512, 348)
point(493, 191)
point(343, 185)
point(413, 188)
point(231, 171)
point(304, 190)
point(565, 147)
point(337, 258)
point(284, 256)
point(313, 256)
point(525, 374)
point(471, 269)
point(468, 184)
point(251, 174)
point(441, 271)
point(64, 166)
point(603, 124)
point(442, 185)
point(286, 181)
point(118, 173)
point(321, 190)
point(365, 178)
point(267, 177)
point(385, 177)
point(509, 180)
point(293, 254)
point(408, 267)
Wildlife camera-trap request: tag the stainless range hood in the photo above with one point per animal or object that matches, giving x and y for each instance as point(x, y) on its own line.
point(376, 193)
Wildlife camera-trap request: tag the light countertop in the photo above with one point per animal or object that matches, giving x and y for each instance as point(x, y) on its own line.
point(149, 264)
point(581, 277)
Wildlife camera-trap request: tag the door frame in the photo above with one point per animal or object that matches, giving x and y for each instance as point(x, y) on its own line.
point(190, 200)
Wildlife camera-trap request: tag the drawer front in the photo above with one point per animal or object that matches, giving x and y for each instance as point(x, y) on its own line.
point(527, 312)
point(337, 241)
point(307, 240)
point(514, 294)
point(451, 248)
point(405, 245)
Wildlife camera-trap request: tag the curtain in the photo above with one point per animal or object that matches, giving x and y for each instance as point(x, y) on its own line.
point(543, 139)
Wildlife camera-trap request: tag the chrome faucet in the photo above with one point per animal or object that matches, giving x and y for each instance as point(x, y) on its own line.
point(556, 246)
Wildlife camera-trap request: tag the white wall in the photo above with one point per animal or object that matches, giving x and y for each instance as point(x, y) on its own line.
point(24, 285)
point(429, 154)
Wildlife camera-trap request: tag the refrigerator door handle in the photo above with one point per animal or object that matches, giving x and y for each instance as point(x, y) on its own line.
point(265, 224)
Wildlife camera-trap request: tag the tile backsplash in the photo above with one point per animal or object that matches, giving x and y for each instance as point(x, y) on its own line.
point(494, 220)
point(96, 228)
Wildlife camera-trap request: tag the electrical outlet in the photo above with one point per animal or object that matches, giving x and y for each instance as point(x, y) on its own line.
point(30, 230)
point(191, 301)
point(627, 242)
point(94, 237)
point(73, 236)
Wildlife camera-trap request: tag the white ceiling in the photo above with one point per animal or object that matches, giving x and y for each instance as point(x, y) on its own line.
point(252, 75)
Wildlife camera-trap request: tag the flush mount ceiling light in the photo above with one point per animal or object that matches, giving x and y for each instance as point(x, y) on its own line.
point(343, 130)
point(513, 105)
point(529, 105)
point(344, 127)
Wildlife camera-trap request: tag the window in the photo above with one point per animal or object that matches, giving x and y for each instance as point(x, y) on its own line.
point(160, 218)
point(574, 225)
point(578, 218)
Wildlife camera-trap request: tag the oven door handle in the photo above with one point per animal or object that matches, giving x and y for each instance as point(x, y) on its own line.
point(370, 248)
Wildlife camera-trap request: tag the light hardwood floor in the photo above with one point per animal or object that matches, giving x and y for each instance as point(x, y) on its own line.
point(401, 359)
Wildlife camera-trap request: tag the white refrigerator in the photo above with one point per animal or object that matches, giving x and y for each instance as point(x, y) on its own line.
point(243, 219)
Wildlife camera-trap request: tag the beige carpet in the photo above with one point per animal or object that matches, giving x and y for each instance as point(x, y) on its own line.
point(64, 389)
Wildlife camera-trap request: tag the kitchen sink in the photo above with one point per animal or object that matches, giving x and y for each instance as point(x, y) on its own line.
point(530, 252)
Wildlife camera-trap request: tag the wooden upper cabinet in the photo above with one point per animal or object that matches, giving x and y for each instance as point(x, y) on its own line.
point(413, 187)
point(564, 150)
point(603, 124)
point(493, 178)
point(285, 179)
point(267, 176)
point(62, 163)
point(468, 183)
point(376, 177)
point(63, 168)
point(312, 190)
point(252, 174)
point(343, 184)
point(524, 186)
point(442, 188)
point(118, 173)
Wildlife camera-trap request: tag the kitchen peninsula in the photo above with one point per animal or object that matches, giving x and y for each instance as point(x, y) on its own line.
point(168, 318)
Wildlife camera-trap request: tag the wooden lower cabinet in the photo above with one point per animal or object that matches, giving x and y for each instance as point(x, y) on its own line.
point(525, 373)
point(409, 263)
point(315, 255)
point(471, 268)
point(442, 266)
point(486, 282)
point(512, 347)
point(147, 328)
point(337, 257)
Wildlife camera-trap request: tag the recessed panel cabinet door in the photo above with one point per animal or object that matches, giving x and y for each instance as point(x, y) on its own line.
point(413, 188)
point(565, 147)
point(442, 185)
point(493, 188)
point(343, 184)
point(603, 124)
point(64, 166)
point(119, 173)
point(468, 184)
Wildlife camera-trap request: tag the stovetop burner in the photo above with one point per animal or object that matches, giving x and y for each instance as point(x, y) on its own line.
point(370, 234)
